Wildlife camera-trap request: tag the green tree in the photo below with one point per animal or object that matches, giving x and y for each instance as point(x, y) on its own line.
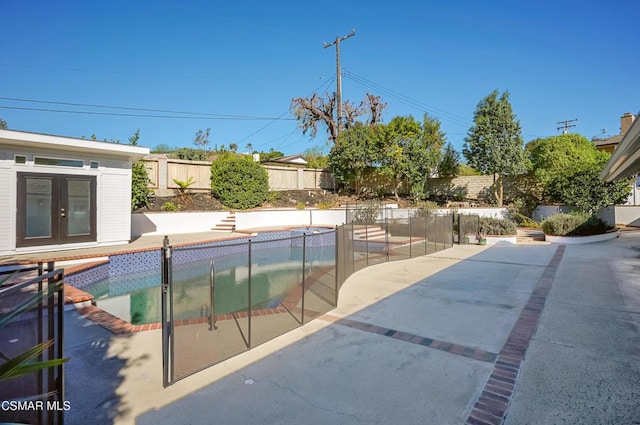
point(266, 156)
point(315, 158)
point(557, 156)
point(494, 143)
point(163, 148)
point(238, 182)
point(353, 153)
point(449, 166)
point(566, 168)
point(249, 148)
point(410, 152)
point(190, 154)
point(140, 191)
point(3, 124)
point(583, 189)
point(467, 170)
point(233, 147)
point(133, 140)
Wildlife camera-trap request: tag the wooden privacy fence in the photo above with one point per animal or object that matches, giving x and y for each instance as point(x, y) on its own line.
point(164, 171)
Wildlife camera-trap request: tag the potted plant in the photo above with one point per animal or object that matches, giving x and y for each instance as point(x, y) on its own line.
point(481, 236)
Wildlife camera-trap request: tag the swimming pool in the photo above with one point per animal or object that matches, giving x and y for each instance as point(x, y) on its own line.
point(276, 271)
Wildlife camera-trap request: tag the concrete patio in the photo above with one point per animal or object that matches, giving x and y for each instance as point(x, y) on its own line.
point(525, 334)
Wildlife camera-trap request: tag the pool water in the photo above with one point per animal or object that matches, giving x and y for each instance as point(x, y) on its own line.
point(275, 272)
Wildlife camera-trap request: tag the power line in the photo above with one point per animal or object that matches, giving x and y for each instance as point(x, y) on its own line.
point(326, 83)
point(230, 118)
point(438, 112)
point(408, 100)
point(221, 116)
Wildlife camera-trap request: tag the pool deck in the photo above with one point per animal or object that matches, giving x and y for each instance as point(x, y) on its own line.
point(524, 334)
point(142, 243)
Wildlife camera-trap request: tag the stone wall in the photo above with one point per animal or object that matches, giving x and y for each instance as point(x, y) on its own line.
point(462, 187)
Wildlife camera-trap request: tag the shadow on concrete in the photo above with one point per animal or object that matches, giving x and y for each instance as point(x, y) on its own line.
point(340, 374)
point(95, 372)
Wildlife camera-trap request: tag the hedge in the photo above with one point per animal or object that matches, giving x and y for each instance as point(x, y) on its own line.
point(496, 226)
point(574, 224)
point(238, 182)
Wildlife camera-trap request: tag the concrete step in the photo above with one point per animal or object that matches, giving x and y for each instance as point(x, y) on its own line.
point(227, 224)
point(369, 232)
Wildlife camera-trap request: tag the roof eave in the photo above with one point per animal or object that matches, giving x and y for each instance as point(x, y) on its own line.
point(625, 160)
point(36, 140)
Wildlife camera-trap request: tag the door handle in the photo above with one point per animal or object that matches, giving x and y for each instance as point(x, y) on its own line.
point(62, 213)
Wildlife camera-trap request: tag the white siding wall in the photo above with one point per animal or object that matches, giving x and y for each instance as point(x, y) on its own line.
point(7, 209)
point(113, 194)
point(114, 206)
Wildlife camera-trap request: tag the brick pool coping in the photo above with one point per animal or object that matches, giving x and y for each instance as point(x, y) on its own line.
point(118, 326)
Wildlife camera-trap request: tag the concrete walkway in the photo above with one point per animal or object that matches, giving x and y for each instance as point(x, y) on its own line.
point(539, 334)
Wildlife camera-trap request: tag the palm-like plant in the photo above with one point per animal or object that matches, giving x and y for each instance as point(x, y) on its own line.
point(26, 362)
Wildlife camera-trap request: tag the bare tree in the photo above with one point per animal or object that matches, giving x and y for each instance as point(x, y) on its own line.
point(373, 106)
point(202, 138)
point(321, 109)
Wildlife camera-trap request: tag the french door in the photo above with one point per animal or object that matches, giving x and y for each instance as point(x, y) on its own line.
point(55, 209)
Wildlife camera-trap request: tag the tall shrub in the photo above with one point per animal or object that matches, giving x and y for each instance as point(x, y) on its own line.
point(140, 193)
point(239, 182)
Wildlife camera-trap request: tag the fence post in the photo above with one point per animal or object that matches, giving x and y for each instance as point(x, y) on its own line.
point(167, 321)
point(337, 262)
point(304, 269)
point(410, 244)
point(60, 339)
point(249, 298)
point(353, 251)
point(366, 239)
point(386, 232)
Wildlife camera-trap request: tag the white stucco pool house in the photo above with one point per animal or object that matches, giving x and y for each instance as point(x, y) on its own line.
point(63, 193)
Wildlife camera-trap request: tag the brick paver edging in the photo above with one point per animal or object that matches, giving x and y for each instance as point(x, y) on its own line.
point(493, 403)
point(449, 347)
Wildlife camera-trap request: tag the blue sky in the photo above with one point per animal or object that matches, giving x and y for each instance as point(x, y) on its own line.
point(559, 60)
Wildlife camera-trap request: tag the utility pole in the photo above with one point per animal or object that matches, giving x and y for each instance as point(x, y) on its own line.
point(339, 77)
point(566, 125)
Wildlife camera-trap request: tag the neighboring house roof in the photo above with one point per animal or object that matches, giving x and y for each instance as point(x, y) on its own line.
point(610, 144)
point(37, 140)
point(289, 160)
point(625, 160)
point(609, 141)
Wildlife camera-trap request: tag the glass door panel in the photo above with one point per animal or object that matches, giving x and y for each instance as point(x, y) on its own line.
point(79, 207)
point(39, 193)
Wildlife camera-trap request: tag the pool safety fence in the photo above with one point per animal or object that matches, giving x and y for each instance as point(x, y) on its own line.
point(320, 261)
point(31, 343)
